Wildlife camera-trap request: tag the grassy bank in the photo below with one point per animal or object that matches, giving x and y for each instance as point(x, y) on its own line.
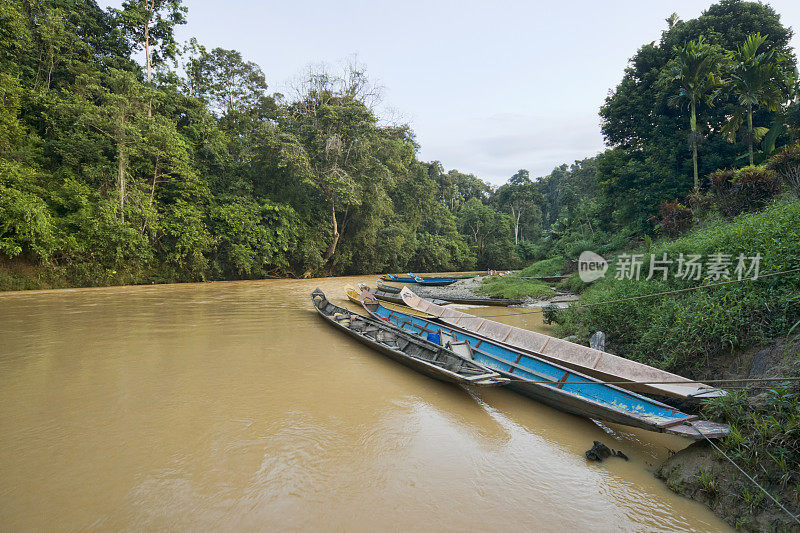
point(704, 334)
point(764, 441)
point(685, 331)
point(545, 267)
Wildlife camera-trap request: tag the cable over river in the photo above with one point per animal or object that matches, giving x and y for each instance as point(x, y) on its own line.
point(234, 406)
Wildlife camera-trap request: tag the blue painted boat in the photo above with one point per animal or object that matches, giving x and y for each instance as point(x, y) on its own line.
point(422, 280)
point(553, 384)
point(434, 282)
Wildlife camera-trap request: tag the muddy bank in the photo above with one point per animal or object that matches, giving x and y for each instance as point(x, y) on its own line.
point(701, 473)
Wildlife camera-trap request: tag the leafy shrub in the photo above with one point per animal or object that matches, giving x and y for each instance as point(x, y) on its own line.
point(744, 190)
point(575, 248)
point(673, 218)
point(528, 251)
point(25, 220)
point(546, 267)
point(573, 283)
point(440, 253)
point(786, 163)
point(252, 238)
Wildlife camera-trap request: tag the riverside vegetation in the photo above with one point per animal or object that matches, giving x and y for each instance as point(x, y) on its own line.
point(187, 168)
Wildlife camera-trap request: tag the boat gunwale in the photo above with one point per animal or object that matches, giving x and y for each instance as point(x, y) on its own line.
point(635, 419)
point(652, 389)
point(433, 370)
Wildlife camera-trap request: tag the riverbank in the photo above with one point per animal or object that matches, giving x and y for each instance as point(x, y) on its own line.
point(733, 331)
point(764, 441)
point(483, 287)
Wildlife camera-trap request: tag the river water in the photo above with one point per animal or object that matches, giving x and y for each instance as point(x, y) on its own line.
point(232, 406)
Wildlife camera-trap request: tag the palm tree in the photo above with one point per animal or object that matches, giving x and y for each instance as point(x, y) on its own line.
point(695, 68)
point(757, 79)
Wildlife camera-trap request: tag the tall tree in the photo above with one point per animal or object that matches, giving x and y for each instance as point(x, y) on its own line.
point(758, 77)
point(229, 83)
point(521, 197)
point(695, 69)
point(149, 25)
point(647, 165)
point(336, 129)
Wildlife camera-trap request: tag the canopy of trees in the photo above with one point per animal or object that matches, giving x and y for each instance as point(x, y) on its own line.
point(186, 167)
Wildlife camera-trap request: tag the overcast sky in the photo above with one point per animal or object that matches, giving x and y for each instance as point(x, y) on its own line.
point(488, 87)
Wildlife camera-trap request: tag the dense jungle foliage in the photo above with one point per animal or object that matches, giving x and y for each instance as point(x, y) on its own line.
point(187, 167)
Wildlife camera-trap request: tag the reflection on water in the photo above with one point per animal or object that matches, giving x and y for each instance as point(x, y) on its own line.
point(231, 405)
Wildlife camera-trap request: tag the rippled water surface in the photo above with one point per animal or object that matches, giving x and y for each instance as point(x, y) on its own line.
point(233, 406)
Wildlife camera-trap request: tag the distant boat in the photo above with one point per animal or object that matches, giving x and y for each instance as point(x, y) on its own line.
point(435, 282)
point(638, 377)
point(388, 288)
point(393, 297)
point(423, 356)
point(422, 280)
point(354, 296)
point(554, 384)
point(388, 293)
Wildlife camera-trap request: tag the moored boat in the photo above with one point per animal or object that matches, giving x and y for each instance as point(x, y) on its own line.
point(413, 278)
point(421, 355)
point(393, 297)
point(633, 375)
point(388, 288)
point(435, 282)
point(388, 293)
point(554, 384)
point(354, 296)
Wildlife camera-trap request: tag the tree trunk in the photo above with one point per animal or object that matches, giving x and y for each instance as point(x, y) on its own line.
point(147, 49)
point(750, 132)
point(694, 147)
point(50, 68)
point(516, 224)
point(121, 163)
point(152, 193)
point(147, 56)
point(332, 247)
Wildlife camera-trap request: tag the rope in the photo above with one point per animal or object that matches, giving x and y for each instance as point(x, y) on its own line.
point(753, 481)
point(662, 293)
point(689, 382)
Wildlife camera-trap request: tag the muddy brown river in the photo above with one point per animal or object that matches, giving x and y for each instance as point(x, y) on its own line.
point(232, 406)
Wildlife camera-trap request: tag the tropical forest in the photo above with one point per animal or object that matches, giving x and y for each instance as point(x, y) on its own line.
point(130, 157)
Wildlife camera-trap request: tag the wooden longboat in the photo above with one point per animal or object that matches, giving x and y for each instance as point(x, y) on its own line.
point(435, 282)
point(553, 384)
point(412, 351)
point(388, 288)
point(354, 296)
point(387, 293)
point(638, 377)
point(395, 298)
point(426, 280)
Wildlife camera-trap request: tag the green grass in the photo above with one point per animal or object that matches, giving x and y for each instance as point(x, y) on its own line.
point(763, 440)
point(573, 284)
point(675, 331)
point(545, 267)
point(514, 288)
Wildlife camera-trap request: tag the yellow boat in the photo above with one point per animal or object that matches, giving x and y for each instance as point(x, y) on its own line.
point(353, 294)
